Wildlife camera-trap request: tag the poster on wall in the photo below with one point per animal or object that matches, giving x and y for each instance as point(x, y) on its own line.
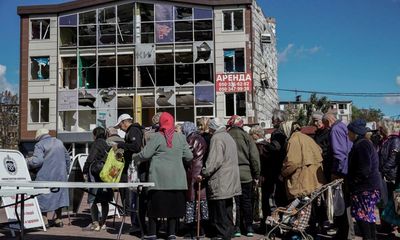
point(203, 52)
point(233, 82)
point(67, 100)
point(106, 118)
point(145, 54)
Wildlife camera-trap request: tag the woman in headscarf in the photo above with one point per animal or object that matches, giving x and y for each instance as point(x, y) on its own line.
point(199, 148)
point(364, 179)
point(165, 151)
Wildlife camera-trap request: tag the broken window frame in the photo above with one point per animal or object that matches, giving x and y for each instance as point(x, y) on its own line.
point(68, 70)
point(235, 25)
point(41, 70)
point(209, 79)
point(237, 98)
point(185, 18)
point(44, 31)
point(165, 75)
point(201, 31)
point(236, 60)
point(42, 110)
point(185, 35)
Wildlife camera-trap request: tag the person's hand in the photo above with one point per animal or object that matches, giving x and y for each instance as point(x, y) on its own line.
point(85, 177)
point(199, 178)
point(256, 182)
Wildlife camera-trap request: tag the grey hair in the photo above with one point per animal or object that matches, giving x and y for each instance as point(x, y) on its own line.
point(278, 115)
point(257, 130)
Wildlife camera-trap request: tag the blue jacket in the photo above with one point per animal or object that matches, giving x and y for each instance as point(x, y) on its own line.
point(363, 167)
point(340, 148)
point(53, 160)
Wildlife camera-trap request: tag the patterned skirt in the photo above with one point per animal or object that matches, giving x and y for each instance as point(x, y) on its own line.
point(191, 213)
point(363, 205)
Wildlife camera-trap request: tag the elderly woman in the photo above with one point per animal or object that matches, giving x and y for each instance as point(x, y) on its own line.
point(199, 149)
point(165, 151)
point(364, 179)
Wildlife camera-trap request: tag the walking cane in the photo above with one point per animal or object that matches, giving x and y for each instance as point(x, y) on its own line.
point(198, 211)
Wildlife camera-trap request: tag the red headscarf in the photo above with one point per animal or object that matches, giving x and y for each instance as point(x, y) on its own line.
point(167, 127)
point(235, 120)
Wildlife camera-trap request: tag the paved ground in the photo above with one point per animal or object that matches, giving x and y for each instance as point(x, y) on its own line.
point(72, 229)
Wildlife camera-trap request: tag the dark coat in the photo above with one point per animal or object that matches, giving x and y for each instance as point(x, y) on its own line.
point(97, 152)
point(363, 172)
point(133, 144)
point(199, 148)
point(279, 156)
point(387, 156)
point(321, 137)
point(269, 167)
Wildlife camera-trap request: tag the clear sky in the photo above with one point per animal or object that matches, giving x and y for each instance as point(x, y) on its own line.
point(340, 46)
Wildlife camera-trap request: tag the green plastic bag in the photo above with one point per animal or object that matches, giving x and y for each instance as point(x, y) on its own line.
point(112, 169)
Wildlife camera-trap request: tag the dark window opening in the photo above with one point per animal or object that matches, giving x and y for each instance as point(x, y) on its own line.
point(68, 36)
point(203, 30)
point(69, 74)
point(229, 104)
point(184, 74)
point(233, 20)
point(234, 60)
point(40, 68)
point(87, 17)
point(146, 11)
point(125, 33)
point(146, 76)
point(165, 75)
point(125, 60)
point(107, 77)
point(184, 31)
point(184, 114)
point(183, 13)
point(165, 54)
point(147, 33)
point(125, 77)
point(40, 29)
point(235, 104)
point(168, 110)
point(107, 15)
point(125, 13)
point(184, 54)
point(107, 34)
point(108, 60)
point(87, 35)
point(39, 110)
point(204, 73)
point(205, 111)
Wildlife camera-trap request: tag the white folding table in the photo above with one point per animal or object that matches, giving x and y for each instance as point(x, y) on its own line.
point(43, 187)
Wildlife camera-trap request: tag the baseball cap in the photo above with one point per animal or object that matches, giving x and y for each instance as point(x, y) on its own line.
point(122, 118)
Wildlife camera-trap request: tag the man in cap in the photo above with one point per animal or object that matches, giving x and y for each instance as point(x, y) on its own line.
point(53, 162)
point(222, 173)
point(132, 144)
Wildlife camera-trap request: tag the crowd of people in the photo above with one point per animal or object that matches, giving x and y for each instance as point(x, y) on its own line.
point(210, 172)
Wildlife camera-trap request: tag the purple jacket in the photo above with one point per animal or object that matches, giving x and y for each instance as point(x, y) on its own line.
point(340, 148)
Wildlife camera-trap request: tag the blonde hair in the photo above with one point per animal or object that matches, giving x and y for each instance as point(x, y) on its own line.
point(202, 124)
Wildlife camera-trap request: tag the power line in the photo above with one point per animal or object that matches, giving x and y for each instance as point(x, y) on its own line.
point(346, 94)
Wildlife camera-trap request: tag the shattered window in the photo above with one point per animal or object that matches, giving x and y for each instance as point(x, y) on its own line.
point(233, 20)
point(39, 109)
point(165, 96)
point(184, 53)
point(185, 114)
point(107, 72)
point(87, 35)
point(204, 111)
point(87, 120)
point(234, 60)
point(235, 104)
point(40, 68)
point(87, 99)
point(40, 29)
point(125, 32)
point(69, 73)
point(87, 71)
point(203, 52)
point(182, 13)
point(203, 30)
point(165, 75)
point(125, 13)
point(68, 30)
point(165, 54)
point(184, 74)
point(87, 17)
point(204, 74)
point(107, 15)
point(146, 76)
point(125, 71)
point(106, 98)
point(68, 120)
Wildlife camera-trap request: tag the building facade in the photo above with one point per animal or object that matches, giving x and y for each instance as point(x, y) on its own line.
point(83, 63)
point(342, 109)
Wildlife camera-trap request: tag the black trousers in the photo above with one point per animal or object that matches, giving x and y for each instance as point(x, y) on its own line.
point(221, 218)
point(244, 207)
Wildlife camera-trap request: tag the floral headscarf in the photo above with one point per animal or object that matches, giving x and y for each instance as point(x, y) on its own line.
point(188, 128)
point(235, 120)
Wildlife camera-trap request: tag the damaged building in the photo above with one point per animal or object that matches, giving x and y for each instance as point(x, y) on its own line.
point(83, 63)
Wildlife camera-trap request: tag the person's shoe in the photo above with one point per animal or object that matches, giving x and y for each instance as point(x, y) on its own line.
point(151, 237)
point(96, 226)
point(250, 232)
point(134, 230)
point(58, 223)
point(104, 227)
point(237, 234)
point(171, 237)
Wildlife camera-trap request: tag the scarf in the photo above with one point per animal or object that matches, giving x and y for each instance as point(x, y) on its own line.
point(235, 120)
point(167, 128)
point(188, 128)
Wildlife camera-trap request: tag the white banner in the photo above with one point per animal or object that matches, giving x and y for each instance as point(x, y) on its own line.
point(13, 167)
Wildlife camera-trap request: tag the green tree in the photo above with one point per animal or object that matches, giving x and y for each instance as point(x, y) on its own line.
point(370, 114)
